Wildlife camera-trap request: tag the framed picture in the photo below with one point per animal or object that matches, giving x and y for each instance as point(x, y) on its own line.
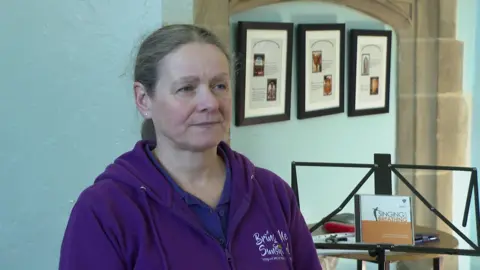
point(263, 83)
point(369, 72)
point(320, 69)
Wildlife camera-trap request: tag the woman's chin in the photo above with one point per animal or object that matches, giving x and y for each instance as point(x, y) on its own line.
point(200, 144)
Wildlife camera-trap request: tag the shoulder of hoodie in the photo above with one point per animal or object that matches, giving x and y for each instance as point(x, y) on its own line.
point(270, 183)
point(106, 197)
point(277, 193)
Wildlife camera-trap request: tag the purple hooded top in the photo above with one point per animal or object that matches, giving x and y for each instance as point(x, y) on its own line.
point(132, 218)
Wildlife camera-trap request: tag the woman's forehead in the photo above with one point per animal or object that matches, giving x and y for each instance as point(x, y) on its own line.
point(196, 61)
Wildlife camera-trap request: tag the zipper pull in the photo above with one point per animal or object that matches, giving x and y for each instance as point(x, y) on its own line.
point(229, 258)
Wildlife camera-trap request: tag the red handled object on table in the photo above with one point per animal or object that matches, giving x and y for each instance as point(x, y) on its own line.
point(337, 227)
point(341, 223)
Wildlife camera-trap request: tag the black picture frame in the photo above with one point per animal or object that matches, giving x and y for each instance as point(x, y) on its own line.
point(243, 29)
point(354, 54)
point(302, 83)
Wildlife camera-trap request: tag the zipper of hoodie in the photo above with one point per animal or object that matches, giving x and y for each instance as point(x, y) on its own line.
point(225, 247)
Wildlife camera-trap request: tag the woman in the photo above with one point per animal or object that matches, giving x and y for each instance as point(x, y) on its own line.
point(183, 199)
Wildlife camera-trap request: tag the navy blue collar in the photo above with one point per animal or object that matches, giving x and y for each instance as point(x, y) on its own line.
point(190, 199)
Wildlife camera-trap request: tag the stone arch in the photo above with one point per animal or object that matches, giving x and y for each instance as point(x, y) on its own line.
point(398, 14)
point(432, 112)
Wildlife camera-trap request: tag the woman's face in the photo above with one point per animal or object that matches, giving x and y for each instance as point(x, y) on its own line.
point(192, 104)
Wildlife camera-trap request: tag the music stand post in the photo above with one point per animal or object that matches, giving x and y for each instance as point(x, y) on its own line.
point(382, 168)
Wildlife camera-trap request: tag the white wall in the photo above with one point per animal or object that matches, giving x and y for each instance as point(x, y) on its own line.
point(67, 110)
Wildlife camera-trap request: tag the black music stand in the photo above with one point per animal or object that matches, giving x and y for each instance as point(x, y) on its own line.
point(382, 168)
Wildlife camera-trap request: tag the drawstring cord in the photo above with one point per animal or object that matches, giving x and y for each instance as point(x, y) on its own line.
point(154, 228)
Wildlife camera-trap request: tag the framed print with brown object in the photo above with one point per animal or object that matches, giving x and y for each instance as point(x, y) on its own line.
point(263, 82)
point(369, 72)
point(320, 69)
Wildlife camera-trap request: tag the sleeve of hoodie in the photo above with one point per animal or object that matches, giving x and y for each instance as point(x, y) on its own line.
point(303, 248)
point(87, 244)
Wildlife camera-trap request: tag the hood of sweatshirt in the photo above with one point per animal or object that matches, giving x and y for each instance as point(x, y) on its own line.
point(135, 169)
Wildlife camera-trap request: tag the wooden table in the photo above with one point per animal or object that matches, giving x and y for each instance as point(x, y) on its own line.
point(446, 241)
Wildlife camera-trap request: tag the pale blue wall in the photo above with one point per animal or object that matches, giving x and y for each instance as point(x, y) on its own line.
point(66, 108)
point(476, 95)
point(467, 33)
point(334, 138)
point(476, 110)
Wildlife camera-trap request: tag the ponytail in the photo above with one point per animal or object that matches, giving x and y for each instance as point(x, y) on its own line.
point(148, 130)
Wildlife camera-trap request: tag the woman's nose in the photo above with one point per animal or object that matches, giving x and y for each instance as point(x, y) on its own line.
point(206, 99)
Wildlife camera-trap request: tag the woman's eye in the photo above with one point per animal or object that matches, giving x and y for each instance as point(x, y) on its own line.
point(221, 86)
point(188, 88)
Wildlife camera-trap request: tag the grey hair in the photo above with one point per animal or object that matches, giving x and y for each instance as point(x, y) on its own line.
point(156, 47)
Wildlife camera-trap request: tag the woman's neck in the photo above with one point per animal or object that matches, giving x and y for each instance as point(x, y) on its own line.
point(190, 168)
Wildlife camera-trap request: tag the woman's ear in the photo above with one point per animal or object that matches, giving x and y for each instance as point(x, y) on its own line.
point(142, 100)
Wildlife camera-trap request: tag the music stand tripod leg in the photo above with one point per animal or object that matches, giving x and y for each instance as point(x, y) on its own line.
point(359, 265)
point(436, 263)
point(380, 257)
